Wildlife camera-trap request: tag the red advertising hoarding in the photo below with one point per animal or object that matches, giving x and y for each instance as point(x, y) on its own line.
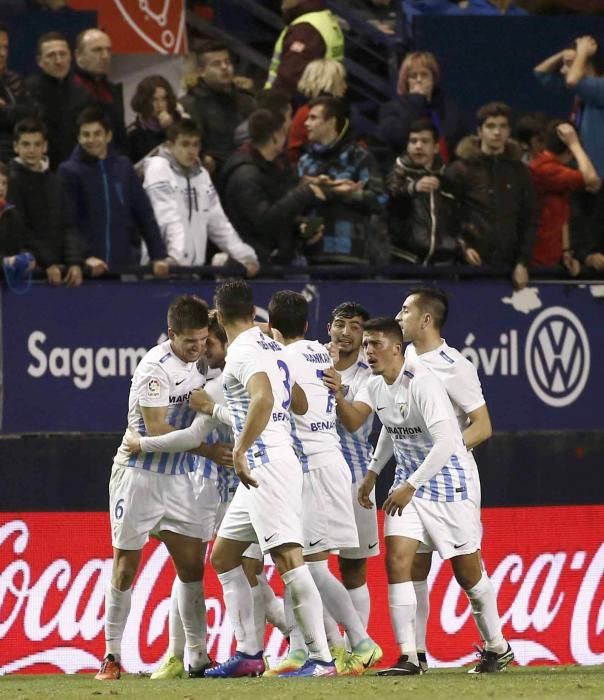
point(546, 564)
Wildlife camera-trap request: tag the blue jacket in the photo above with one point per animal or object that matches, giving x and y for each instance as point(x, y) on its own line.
point(110, 207)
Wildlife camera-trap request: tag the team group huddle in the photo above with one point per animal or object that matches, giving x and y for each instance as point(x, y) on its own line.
point(259, 438)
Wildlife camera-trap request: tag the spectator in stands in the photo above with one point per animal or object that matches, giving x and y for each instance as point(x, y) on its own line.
point(420, 96)
point(15, 102)
point(274, 101)
point(217, 103)
point(93, 57)
point(154, 103)
point(264, 201)
point(111, 208)
point(59, 99)
point(311, 32)
point(354, 212)
point(554, 181)
point(486, 7)
point(38, 194)
point(578, 69)
point(498, 201)
point(591, 252)
point(12, 232)
point(530, 134)
point(323, 76)
point(186, 204)
point(423, 210)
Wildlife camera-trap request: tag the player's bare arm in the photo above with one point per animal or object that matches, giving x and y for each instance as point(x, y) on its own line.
point(398, 499)
point(299, 403)
point(366, 488)
point(219, 452)
point(480, 428)
point(259, 411)
point(155, 420)
point(352, 415)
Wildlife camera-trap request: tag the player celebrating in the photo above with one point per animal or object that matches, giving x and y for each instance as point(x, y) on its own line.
point(346, 333)
point(328, 515)
point(267, 507)
point(432, 499)
point(152, 492)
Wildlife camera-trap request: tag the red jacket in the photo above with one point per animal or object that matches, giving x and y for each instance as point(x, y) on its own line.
point(554, 182)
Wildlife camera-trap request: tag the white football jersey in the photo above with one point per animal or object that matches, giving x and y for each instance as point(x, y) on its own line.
point(250, 353)
point(458, 375)
point(315, 432)
point(356, 447)
point(408, 408)
point(162, 379)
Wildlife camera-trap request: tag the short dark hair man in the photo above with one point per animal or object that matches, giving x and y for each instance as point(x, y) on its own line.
point(497, 196)
point(263, 199)
point(108, 199)
point(59, 98)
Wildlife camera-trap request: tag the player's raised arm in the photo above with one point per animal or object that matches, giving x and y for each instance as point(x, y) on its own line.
point(351, 415)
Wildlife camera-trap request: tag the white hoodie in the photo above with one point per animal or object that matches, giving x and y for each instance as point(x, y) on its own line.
point(188, 210)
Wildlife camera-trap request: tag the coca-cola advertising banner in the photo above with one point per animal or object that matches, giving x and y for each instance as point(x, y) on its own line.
point(546, 565)
point(535, 350)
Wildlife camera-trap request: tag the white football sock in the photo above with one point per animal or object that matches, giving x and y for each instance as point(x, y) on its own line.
point(117, 609)
point(403, 606)
point(239, 602)
point(296, 638)
point(337, 601)
point(362, 602)
point(176, 632)
point(423, 610)
point(192, 609)
point(484, 609)
point(334, 637)
point(274, 606)
point(308, 609)
point(259, 615)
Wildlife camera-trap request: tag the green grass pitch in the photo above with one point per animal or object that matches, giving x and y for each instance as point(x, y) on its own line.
point(539, 683)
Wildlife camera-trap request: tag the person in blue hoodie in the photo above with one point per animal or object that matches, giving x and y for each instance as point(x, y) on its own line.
point(110, 206)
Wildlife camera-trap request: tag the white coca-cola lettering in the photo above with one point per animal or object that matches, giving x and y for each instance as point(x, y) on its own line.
point(579, 628)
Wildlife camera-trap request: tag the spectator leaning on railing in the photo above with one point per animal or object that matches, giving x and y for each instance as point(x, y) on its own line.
point(108, 200)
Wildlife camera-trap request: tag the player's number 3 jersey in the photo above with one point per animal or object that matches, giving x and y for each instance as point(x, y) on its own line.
point(250, 353)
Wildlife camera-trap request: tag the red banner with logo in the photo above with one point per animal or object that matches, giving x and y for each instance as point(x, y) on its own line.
point(546, 564)
point(152, 26)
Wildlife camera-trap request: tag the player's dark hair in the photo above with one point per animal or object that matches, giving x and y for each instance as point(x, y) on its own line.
point(187, 312)
point(92, 115)
point(209, 46)
point(424, 124)
point(332, 107)
point(183, 127)
point(29, 125)
point(386, 325)
point(288, 313)
point(48, 37)
point(494, 109)
point(216, 328)
point(234, 301)
point(349, 309)
point(433, 301)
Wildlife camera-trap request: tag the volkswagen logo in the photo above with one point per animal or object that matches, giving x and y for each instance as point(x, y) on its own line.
point(557, 356)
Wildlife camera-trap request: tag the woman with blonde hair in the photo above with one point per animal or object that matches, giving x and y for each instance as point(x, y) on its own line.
point(419, 97)
point(324, 76)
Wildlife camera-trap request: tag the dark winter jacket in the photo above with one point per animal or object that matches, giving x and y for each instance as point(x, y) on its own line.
point(59, 103)
point(110, 208)
point(263, 201)
point(144, 138)
point(355, 229)
point(397, 116)
point(12, 231)
point(423, 226)
point(18, 104)
point(109, 96)
point(218, 113)
point(50, 232)
point(499, 210)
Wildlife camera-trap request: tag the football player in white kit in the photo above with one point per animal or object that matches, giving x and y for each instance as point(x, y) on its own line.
point(432, 499)
point(328, 515)
point(267, 507)
point(346, 334)
point(152, 492)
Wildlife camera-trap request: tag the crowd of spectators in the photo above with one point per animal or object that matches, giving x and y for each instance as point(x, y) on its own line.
point(214, 171)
